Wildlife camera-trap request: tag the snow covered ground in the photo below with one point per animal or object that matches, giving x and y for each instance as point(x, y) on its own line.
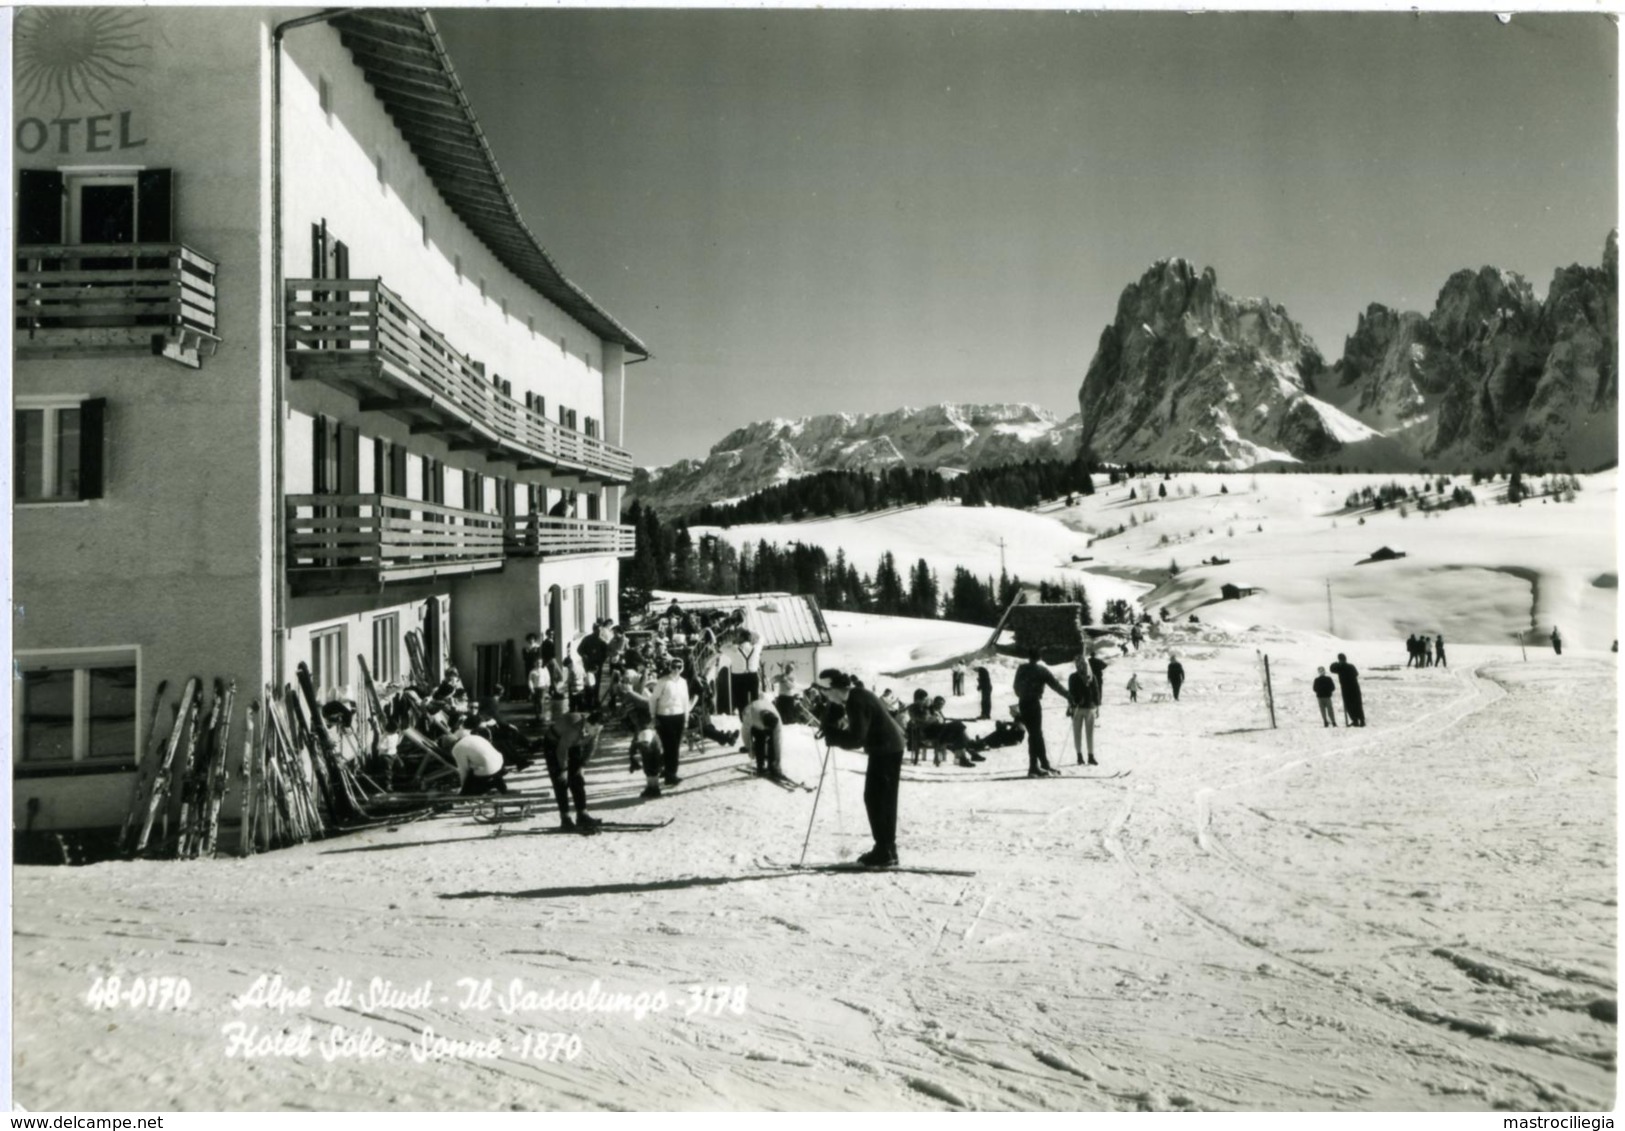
point(1417, 915)
point(1223, 916)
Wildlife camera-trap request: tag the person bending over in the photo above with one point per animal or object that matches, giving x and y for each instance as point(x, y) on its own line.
point(568, 743)
point(854, 719)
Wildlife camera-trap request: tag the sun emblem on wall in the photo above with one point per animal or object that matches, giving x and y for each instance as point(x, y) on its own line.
point(78, 54)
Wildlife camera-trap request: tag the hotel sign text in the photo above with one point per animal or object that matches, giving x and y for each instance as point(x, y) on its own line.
point(99, 133)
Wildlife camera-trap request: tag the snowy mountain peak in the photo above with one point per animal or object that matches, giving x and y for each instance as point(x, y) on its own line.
point(766, 452)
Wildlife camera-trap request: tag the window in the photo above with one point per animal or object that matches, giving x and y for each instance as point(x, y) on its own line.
point(389, 468)
point(77, 706)
point(58, 455)
point(327, 661)
point(578, 600)
point(386, 647)
point(603, 600)
point(592, 505)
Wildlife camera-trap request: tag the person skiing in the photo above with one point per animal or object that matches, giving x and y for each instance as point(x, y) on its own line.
point(865, 725)
point(1176, 675)
point(1084, 689)
point(1134, 688)
point(1031, 679)
point(568, 744)
point(959, 678)
point(1557, 640)
point(1438, 650)
point(1324, 687)
point(984, 687)
point(1348, 678)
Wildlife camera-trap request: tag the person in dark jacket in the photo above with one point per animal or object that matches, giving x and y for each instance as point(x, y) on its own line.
point(1031, 679)
point(1083, 686)
point(984, 687)
point(1413, 660)
point(1324, 686)
point(866, 725)
point(1098, 667)
point(1176, 675)
point(1438, 650)
point(1348, 678)
point(1557, 641)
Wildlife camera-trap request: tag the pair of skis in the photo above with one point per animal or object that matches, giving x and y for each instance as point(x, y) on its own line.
point(183, 776)
point(789, 785)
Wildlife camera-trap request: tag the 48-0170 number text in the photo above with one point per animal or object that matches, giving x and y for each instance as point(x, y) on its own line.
point(112, 992)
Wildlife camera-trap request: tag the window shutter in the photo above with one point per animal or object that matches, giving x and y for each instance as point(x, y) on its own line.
point(349, 460)
point(92, 415)
point(318, 481)
point(341, 259)
point(318, 250)
point(155, 206)
point(397, 459)
point(39, 206)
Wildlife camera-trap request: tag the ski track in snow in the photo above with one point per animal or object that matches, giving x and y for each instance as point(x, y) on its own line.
point(1418, 916)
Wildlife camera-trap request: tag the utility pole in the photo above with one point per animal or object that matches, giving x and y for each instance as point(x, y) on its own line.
point(1001, 556)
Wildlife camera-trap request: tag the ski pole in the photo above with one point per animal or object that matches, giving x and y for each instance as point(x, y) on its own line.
point(806, 840)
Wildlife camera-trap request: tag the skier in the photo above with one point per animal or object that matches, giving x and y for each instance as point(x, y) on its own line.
point(1134, 688)
point(867, 727)
point(1557, 641)
point(1323, 695)
point(1084, 688)
point(568, 743)
point(1438, 650)
point(671, 706)
point(744, 658)
point(1031, 679)
point(1348, 678)
point(959, 678)
point(1176, 675)
point(766, 735)
point(984, 687)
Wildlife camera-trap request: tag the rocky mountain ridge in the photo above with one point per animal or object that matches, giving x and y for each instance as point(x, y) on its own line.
point(758, 455)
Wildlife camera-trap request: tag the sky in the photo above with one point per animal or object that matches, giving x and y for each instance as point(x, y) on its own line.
point(803, 212)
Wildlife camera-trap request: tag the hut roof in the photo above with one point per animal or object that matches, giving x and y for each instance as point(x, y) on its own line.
point(779, 620)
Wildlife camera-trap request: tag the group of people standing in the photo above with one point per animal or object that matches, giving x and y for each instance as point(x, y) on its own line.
point(1424, 653)
point(1348, 682)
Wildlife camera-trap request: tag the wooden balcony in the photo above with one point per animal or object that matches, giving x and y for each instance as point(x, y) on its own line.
point(114, 300)
point(357, 336)
point(538, 536)
point(350, 543)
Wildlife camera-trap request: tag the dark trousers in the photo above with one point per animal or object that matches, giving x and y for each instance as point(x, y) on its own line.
point(1032, 717)
point(1354, 708)
point(670, 729)
point(880, 798)
point(959, 683)
point(1175, 684)
point(564, 770)
point(490, 783)
point(987, 704)
point(762, 747)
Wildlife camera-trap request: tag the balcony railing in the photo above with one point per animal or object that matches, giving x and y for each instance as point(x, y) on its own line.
point(541, 536)
point(76, 299)
point(343, 542)
point(358, 335)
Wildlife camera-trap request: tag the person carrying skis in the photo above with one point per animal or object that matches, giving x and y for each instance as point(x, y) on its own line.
point(1324, 687)
point(1031, 679)
point(854, 719)
point(1176, 676)
point(1348, 678)
point(568, 744)
point(1084, 689)
point(984, 688)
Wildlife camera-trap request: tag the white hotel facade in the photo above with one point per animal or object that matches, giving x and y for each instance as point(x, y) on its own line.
point(291, 378)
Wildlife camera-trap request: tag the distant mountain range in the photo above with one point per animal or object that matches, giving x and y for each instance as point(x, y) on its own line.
point(958, 436)
point(1191, 376)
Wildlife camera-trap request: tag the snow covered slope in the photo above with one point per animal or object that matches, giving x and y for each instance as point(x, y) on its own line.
point(1477, 573)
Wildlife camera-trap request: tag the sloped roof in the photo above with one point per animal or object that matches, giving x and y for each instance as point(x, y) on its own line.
point(400, 52)
point(1045, 625)
point(779, 620)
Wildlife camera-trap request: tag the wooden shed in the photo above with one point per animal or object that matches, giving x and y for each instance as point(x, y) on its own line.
point(789, 627)
point(1230, 591)
point(1055, 632)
